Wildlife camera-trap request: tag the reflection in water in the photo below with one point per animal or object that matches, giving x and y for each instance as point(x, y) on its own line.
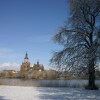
point(46, 83)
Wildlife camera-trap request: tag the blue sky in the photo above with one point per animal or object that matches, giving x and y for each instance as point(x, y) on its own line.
point(29, 25)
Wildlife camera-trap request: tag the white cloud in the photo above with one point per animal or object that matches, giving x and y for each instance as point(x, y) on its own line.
point(9, 66)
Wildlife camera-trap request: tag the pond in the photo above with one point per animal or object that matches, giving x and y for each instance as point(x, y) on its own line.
point(45, 83)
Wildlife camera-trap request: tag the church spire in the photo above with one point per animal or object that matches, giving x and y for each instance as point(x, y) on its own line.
point(26, 56)
point(37, 62)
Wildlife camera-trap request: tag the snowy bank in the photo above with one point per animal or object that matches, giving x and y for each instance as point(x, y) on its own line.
point(47, 93)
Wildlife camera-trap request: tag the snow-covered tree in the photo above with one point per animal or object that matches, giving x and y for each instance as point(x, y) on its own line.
point(80, 39)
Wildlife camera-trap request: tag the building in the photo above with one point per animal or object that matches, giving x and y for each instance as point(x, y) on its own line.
point(9, 73)
point(27, 71)
point(25, 64)
point(38, 67)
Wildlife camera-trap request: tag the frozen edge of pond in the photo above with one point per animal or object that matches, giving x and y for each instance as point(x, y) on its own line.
point(47, 83)
point(47, 93)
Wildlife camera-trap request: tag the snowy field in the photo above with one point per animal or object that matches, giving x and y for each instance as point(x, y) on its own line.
point(47, 93)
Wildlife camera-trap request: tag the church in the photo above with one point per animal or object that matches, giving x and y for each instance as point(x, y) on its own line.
point(25, 66)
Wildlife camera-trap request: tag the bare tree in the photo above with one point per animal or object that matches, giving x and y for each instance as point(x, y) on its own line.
point(80, 38)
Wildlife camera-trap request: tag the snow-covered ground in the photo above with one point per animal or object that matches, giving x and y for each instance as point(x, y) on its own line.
point(47, 93)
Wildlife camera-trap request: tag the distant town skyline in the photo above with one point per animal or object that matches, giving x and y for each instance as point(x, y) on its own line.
point(28, 26)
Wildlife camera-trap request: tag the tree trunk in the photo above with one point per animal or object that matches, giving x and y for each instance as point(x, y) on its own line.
point(91, 72)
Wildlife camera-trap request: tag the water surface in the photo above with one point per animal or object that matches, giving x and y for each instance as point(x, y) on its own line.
point(45, 83)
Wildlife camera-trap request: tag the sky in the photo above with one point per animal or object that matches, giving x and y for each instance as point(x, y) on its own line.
point(28, 26)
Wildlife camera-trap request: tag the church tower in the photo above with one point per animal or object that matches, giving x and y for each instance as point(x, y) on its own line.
point(26, 64)
point(26, 58)
point(38, 63)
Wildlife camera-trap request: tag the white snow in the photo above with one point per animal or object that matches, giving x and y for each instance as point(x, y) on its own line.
point(47, 93)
